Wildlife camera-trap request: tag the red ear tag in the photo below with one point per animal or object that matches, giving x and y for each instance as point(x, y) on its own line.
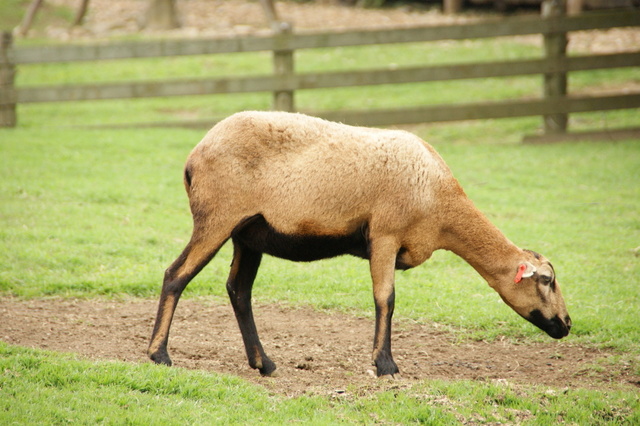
point(521, 270)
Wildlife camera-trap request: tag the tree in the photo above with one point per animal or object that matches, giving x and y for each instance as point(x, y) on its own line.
point(82, 11)
point(35, 6)
point(161, 15)
point(25, 25)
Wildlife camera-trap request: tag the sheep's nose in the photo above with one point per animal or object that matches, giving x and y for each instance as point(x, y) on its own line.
point(567, 320)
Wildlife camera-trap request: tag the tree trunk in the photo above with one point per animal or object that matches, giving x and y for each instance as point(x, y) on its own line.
point(270, 12)
point(451, 7)
point(25, 25)
point(80, 14)
point(161, 15)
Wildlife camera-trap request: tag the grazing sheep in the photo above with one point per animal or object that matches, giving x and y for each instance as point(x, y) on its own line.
point(303, 189)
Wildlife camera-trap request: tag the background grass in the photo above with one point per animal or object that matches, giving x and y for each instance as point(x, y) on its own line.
point(88, 213)
point(102, 213)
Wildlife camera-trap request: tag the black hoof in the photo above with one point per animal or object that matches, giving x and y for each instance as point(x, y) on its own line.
point(386, 367)
point(161, 358)
point(268, 368)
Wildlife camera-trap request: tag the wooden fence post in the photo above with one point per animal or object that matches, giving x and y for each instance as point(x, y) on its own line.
point(555, 83)
point(283, 69)
point(7, 76)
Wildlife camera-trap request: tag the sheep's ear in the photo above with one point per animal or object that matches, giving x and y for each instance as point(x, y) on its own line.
point(525, 270)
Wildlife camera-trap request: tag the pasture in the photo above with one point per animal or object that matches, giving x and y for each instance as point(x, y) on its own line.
point(91, 217)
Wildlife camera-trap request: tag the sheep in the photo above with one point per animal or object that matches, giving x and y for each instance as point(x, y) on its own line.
point(302, 188)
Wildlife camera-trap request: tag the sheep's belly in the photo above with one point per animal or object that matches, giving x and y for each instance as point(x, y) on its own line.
point(256, 233)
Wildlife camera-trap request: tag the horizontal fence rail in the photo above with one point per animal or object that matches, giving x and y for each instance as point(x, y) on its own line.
point(325, 80)
point(555, 105)
point(484, 110)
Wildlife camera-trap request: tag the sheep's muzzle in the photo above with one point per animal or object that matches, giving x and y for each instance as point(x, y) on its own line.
point(554, 327)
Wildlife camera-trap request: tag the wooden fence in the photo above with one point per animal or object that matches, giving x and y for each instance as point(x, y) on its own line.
point(555, 103)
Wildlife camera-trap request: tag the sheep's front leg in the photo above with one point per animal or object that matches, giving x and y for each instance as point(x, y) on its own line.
point(243, 272)
point(382, 263)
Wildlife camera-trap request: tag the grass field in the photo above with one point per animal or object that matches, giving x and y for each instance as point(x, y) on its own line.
point(93, 213)
point(48, 388)
point(101, 213)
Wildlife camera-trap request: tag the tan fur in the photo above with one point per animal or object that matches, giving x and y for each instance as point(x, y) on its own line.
point(310, 177)
point(303, 173)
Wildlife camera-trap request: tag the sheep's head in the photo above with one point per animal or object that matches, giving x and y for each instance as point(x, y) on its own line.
point(534, 293)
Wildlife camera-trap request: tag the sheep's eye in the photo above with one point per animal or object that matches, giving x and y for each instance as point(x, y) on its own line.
point(546, 279)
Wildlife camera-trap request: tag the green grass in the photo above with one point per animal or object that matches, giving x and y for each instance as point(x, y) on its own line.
point(89, 213)
point(38, 387)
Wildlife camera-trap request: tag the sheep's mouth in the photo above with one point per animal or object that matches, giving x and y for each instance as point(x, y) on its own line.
point(554, 327)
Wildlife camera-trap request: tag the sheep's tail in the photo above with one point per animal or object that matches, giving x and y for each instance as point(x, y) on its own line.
point(187, 177)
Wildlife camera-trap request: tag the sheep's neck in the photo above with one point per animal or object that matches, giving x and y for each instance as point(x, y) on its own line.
point(470, 235)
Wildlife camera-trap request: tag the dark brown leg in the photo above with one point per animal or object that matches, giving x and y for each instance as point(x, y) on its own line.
point(195, 256)
point(243, 273)
point(382, 262)
point(383, 359)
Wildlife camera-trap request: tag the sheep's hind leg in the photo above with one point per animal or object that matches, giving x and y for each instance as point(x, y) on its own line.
point(243, 273)
point(194, 257)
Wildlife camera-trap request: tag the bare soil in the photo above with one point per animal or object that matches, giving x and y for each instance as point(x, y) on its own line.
point(214, 18)
point(316, 352)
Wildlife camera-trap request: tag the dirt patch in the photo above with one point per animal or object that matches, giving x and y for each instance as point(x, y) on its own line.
point(317, 352)
point(213, 18)
point(243, 17)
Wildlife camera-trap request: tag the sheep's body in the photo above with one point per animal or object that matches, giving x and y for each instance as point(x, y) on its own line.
point(303, 188)
point(311, 177)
